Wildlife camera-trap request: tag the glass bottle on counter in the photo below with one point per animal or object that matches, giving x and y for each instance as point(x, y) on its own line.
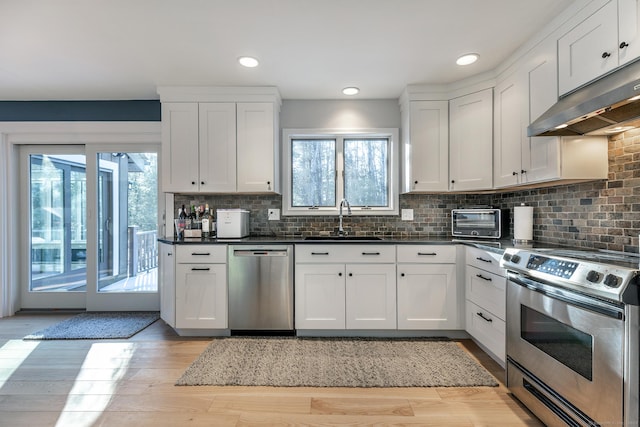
point(212, 224)
point(206, 222)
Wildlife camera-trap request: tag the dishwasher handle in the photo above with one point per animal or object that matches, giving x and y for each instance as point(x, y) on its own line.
point(260, 252)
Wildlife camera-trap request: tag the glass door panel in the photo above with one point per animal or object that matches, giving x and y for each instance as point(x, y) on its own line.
point(55, 190)
point(58, 223)
point(127, 222)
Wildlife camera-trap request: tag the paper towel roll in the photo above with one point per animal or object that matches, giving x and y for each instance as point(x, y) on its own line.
point(523, 223)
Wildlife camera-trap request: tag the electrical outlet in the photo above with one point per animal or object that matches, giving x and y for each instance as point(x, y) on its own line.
point(273, 214)
point(407, 214)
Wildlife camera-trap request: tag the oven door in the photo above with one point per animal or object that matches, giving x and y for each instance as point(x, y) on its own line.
point(568, 350)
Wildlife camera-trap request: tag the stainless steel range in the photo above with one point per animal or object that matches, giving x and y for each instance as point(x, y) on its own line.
point(573, 335)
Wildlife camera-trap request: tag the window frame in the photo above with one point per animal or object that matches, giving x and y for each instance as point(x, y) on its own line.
point(340, 135)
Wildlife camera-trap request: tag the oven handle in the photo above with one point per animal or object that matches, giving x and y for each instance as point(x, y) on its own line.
point(578, 300)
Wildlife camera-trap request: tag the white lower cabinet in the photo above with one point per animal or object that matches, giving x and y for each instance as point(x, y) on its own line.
point(320, 296)
point(486, 301)
point(427, 287)
point(345, 287)
point(201, 287)
point(370, 296)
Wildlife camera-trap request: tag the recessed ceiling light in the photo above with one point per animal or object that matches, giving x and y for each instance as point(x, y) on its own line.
point(467, 59)
point(351, 90)
point(248, 61)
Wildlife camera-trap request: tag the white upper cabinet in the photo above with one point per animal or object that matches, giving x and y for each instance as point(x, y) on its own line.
point(628, 30)
point(605, 40)
point(198, 147)
point(520, 99)
point(217, 154)
point(425, 135)
point(541, 79)
point(180, 143)
point(257, 148)
point(220, 140)
point(471, 141)
point(509, 150)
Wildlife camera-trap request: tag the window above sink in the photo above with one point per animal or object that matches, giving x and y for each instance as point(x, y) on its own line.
point(323, 167)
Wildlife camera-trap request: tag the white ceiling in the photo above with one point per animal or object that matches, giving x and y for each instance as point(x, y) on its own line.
point(309, 49)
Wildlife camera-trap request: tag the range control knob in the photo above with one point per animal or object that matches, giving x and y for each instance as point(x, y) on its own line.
point(507, 257)
point(612, 281)
point(593, 276)
point(515, 259)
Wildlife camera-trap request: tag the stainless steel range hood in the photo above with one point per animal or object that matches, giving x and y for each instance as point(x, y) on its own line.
point(606, 106)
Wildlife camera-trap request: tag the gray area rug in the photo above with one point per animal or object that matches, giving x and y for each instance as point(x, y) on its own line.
point(335, 362)
point(97, 325)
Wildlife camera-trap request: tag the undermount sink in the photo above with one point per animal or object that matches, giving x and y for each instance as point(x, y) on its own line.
point(342, 238)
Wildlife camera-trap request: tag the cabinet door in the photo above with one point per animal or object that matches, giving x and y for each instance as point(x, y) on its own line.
point(427, 296)
point(628, 30)
point(320, 296)
point(541, 156)
point(201, 296)
point(217, 152)
point(507, 143)
point(428, 146)
point(589, 50)
point(371, 296)
point(180, 147)
point(256, 148)
point(167, 282)
point(471, 141)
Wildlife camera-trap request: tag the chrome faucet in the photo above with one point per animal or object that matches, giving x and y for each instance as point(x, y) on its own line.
point(342, 203)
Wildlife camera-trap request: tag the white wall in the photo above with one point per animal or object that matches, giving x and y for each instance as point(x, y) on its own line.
point(340, 114)
point(8, 227)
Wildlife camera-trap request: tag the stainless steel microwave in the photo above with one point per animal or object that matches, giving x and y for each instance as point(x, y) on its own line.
point(486, 223)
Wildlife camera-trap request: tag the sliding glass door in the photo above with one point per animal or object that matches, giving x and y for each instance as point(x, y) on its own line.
point(127, 230)
point(56, 232)
point(91, 227)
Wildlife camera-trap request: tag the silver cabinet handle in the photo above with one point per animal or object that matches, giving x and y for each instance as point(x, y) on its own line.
point(200, 269)
point(370, 253)
point(319, 253)
point(200, 253)
point(427, 254)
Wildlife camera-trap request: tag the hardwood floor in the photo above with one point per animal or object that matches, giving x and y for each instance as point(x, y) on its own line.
point(131, 383)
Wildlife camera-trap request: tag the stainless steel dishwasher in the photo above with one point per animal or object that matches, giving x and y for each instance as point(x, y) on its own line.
point(261, 289)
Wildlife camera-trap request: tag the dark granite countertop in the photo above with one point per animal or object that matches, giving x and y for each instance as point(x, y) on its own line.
point(497, 246)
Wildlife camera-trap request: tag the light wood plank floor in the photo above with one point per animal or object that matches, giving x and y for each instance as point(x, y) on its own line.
point(131, 383)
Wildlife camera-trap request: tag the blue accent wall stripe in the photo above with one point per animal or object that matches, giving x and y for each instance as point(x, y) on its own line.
point(76, 111)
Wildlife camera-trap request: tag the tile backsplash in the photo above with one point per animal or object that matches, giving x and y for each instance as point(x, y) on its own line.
point(599, 214)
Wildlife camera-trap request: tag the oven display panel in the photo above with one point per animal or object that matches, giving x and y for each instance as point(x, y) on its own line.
point(555, 267)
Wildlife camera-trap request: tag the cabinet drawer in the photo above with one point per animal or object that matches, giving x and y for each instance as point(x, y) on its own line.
point(201, 254)
point(345, 253)
point(432, 254)
point(485, 260)
point(487, 290)
point(487, 329)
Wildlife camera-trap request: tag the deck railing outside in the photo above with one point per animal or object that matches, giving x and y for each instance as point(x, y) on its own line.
point(143, 250)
